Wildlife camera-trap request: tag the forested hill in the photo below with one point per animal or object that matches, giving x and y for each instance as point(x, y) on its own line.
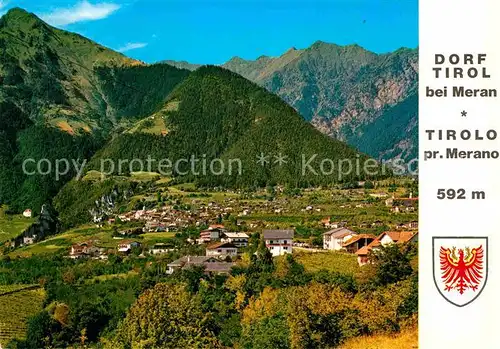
point(216, 113)
point(61, 97)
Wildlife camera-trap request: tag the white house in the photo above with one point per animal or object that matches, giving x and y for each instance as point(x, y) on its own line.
point(160, 248)
point(27, 213)
point(28, 240)
point(279, 242)
point(209, 235)
point(391, 237)
point(335, 239)
point(238, 239)
point(127, 245)
point(221, 249)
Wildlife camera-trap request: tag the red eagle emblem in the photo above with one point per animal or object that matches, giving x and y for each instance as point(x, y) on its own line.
point(464, 271)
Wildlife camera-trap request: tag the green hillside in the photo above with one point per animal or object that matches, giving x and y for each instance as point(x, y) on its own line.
point(61, 97)
point(49, 73)
point(219, 114)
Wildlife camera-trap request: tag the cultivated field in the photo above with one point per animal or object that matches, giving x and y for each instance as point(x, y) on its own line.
point(17, 304)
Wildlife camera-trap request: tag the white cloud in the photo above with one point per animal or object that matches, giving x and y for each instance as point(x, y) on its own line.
point(81, 12)
point(132, 46)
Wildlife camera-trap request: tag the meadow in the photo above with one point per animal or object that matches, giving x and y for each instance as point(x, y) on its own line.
point(337, 262)
point(12, 225)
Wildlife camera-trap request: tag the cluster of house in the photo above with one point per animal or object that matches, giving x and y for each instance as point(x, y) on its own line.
point(91, 249)
point(343, 239)
point(402, 205)
point(168, 219)
point(223, 246)
point(223, 243)
point(160, 220)
point(327, 223)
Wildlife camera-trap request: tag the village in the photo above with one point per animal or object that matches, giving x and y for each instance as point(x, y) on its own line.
point(223, 230)
point(221, 226)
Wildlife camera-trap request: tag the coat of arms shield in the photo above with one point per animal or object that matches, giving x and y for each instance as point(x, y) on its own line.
point(460, 267)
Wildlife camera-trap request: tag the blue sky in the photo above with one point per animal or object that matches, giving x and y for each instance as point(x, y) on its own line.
point(213, 31)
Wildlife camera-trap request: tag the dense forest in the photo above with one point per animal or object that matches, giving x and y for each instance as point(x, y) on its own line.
point(31, 184)
point(138, 91)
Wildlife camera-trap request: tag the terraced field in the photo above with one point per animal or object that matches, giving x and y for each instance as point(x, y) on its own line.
point(17, 304)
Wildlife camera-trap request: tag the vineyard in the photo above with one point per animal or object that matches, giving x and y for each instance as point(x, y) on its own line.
point(17, 304)
point(331, 261)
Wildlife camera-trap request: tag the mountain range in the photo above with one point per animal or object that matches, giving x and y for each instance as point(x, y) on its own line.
point(368, 100)
point(63, 96)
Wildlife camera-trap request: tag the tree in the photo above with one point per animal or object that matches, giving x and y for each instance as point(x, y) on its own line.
point(392, 264)
point(166, 316)
point(291, 272)
point(264, 256)
point(41, 328)
point(369, 185)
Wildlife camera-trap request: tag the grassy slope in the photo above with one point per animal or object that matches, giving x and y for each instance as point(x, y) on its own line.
point(64, 241)
point(12, 226)
point(39, 56)
point(407, 339)
point(332, 261)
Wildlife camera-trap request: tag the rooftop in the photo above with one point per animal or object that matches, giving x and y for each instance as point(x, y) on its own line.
point(236, 235)
point(404, 236)
point(221, 245)
point(365, 249)
point(278, 234)
point(359, 237)
point(340, 232)
point(397, 236)
point(216, 226)
point(190, 260)
point(126, 242)
point(219, 267)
